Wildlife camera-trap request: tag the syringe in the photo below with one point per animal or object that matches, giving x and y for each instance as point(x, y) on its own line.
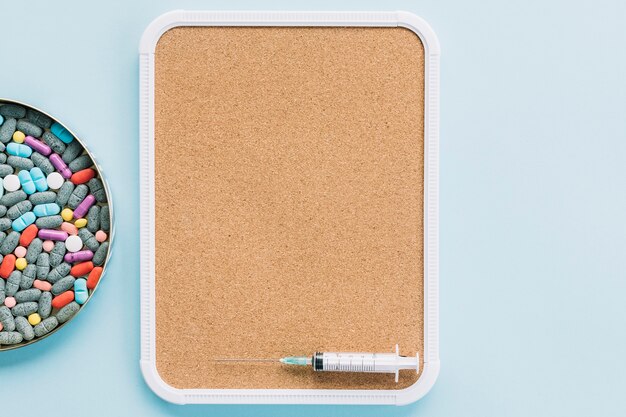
point(356, 362)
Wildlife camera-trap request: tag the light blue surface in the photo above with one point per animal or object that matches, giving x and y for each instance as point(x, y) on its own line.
point(533, 206)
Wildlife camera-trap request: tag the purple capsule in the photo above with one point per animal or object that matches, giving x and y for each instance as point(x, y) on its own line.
point(51, 234)
point(84, 206)
point(37, 145)
point(60, 166)
point(80, 256)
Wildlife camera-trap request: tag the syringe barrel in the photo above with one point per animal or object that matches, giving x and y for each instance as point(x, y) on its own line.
point(363, 362)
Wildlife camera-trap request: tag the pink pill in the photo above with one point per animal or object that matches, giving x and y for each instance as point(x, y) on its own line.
point(42, 285)
point(69, 228)
point(10, 302)
point(1, 327)
point(52, 234)
point(48, 245)
point(20, 252)
point(101, 236)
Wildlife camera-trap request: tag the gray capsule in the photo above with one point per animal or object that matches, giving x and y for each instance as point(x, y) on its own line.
point(63, 285)
point(72, 151)
point(2, 236)
point(79, 194)
point(2, 293)
point(29, 274)
point(49, 222)
point(45, 305)
point(5, 223)
point(10, 199)
point(88, 239)
point(10, 338)
point(13, 283)
point(6, 318)
point(97, 189)
point(7, 129)
point(31, 294)
point(18, 209)
point(67, 312)
point(101, 254)
point(3, 209)
point(43, 265)
point(44, 197)
point(57, 253)
point(53, 142)
point(38, 118)
point(13, 110)
point(34, 249)
point(19, 162)
point(28, 128)
point(59, 272)
point(42, 162)
point(80, 163)
point(23, 326)
point(63, 194)
point(93, 219)
point(25, 309)
point(3, 156)
point(9, 243)
point(104, 218)
point(6, 169)
point(46, 326)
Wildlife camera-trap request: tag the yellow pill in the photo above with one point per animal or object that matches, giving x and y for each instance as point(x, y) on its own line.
point(18, 136)
point(21, 263)
point(80, 223)
point(67, 214)
point(34, 319)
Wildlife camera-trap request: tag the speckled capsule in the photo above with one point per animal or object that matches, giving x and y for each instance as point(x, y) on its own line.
point(6, 318)
point(100, 255)
point(104, 218)
point(57, 253)
point(10, 338)
point(2, 293)
point(25, 309)
point(31, 294)
point(24, 328)
point(67, 312)
point(10, 199)
point(43, 266)
point(3, 156)
point(2, 236)
point(7, 129)
point(13, 283)
point(12, 110)
point(49, 222)
point(93, 219)
point(3, 210)
point(29, 129)
point(46, 326)
point(63, 285)
point(59, 272)
point(29, 274)
point(72, 151)
point(4, 222)
point(6, 169)
point(44, 197)
point(80, 163)
point(19, 162)
point(88, 239)
point(63, 194)
point(34, 249)
point(42, 163)
point(45, 304)
point(53, 142)
point(38, 118)
point(97, 189)
point(78, 195)
point(9, 243)
point(18, 209)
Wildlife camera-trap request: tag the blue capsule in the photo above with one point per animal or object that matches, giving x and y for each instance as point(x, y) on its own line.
point(27, 182)
point(18, 149)
point(49, 209)
point(61, 133)
point(23, 221)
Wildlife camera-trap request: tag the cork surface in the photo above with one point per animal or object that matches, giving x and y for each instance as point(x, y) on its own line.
point(289, 202)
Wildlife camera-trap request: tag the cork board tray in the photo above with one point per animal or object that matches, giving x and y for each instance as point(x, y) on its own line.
point(289, 186)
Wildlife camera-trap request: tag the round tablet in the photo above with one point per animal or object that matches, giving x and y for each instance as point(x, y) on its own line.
point(55, 180)
point(11, 183)
point(73, 243)
point(48, 245)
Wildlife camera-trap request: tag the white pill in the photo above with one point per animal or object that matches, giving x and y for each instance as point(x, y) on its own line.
point(55, 180)
point(73, 243)
point(11, 183)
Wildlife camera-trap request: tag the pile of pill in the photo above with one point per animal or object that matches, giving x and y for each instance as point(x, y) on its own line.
point(54, 225)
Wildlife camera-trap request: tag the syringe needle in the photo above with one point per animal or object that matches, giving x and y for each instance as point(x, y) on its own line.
point(244, 360)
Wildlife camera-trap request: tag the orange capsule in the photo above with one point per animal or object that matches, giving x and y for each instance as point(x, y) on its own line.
point(7, 266)
point(83, 176)
point(28, 235)
point(63, 299)
point(94, 277)
point(81, 269)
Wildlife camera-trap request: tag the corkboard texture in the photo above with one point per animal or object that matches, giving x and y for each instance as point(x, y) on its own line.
point(289, 202)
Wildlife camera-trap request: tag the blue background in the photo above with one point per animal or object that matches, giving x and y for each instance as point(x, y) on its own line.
point(533, 202)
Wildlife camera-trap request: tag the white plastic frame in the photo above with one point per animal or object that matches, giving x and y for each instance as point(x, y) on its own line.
point(431, 207)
